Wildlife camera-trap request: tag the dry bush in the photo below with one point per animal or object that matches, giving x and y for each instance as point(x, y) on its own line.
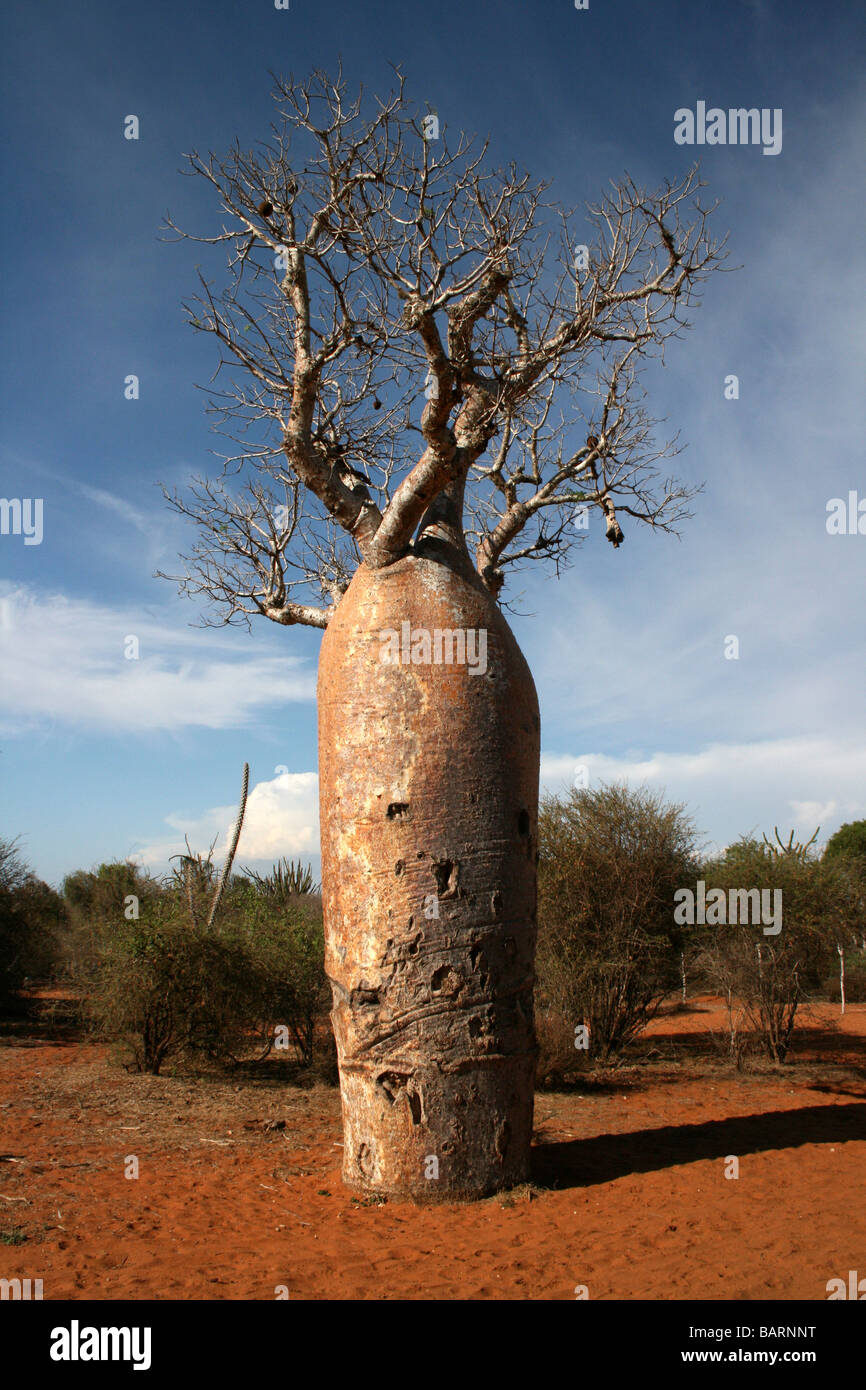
point(283, 936)
point(766, 978)
point(558, 1058)
point(166, 984)
point(610, 860)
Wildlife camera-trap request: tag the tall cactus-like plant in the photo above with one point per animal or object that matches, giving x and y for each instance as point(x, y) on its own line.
point(227, 867)
point(189, 865)
point(194, 876)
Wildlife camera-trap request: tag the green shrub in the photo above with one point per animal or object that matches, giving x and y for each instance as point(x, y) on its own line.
point(848, 842)
point(610, 860)
point(765, 978)
point(98, 902)
point(32, 917)
point(166, 986)
point(286, 944)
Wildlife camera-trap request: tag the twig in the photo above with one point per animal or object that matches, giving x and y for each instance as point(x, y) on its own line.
point(296, 1218)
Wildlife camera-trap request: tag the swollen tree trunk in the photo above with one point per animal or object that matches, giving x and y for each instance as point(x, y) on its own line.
point(429, 796)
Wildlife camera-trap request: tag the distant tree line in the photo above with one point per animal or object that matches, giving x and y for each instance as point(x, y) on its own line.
point(153, 974)
point(157, 969)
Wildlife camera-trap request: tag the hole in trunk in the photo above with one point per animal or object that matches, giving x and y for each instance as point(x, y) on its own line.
point(398, 810)
point(446, 872)
point(394, 1084)
point(445, 980)
point(363, 997)
point(502, 1139)
point(523, 822)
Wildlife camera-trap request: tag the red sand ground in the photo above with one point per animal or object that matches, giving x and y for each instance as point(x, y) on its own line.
point(630, 1200)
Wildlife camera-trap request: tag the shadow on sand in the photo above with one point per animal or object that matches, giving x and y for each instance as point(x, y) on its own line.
point(585, 1162)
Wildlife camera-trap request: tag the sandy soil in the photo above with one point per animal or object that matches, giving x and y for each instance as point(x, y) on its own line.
point(239, 1186)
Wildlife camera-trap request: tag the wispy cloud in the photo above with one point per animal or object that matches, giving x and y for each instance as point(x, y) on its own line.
point(65, 660)
point(119, 506)
point(738, 787)
point(632, 650)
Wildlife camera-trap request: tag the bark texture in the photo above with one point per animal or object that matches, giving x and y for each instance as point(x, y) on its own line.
point(429, 799)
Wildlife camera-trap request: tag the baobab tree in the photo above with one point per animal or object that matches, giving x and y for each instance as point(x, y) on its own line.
point(430, 378)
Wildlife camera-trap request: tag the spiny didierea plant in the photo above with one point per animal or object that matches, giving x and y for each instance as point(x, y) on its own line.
point(196, 870)
point(425, 366)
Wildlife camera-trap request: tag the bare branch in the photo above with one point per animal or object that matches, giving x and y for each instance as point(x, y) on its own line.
point(413, 344)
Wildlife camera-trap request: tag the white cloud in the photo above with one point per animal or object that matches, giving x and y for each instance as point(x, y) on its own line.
point(812, 813)
point(63, 660)
point(281, 819)
point(739, 788)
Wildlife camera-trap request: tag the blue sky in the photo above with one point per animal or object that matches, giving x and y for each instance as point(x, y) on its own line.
point(102, 757)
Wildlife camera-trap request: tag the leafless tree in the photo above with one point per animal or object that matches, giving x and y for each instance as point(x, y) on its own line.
point(425, 369)
point(416, 344)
